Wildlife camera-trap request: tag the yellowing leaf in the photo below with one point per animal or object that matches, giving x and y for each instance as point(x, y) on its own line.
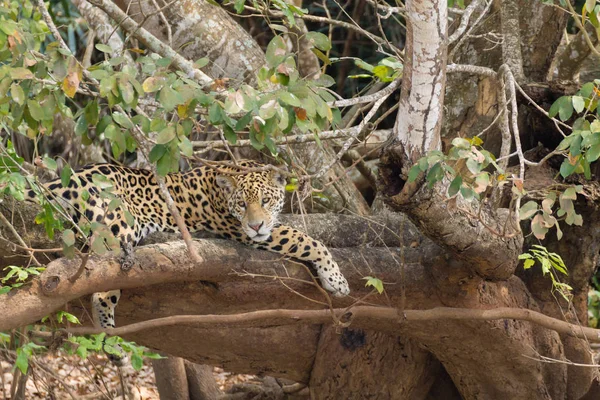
point(153, 83)
point(73, 79)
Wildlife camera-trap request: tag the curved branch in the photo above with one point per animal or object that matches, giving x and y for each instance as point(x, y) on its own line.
point(354, 315)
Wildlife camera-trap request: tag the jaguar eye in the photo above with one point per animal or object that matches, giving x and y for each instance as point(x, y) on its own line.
point(242, 204)
point(265, 200)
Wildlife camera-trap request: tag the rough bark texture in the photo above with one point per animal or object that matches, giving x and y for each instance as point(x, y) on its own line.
point(484, 243)
point(424, 78)
point(380, 358)
point(571, 58)
point(200, 29)
point(201, 382)
point(165, 283)
point(171, 379)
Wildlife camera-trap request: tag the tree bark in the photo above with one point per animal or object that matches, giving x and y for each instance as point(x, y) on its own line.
point(165, 283)
point(199, 29)
point(171, 378)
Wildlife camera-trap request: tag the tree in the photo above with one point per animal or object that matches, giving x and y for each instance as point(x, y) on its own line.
point(449, 311)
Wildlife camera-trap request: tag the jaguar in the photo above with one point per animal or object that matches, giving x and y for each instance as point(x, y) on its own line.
point(239, 202)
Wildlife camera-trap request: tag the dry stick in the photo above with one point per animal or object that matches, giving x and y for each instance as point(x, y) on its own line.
point(294, 317)
point(491, 73)
point(362, 126)
point(389, 89)
point(300, 138)
point(151, 41)
point(464, 37)
point(504, 126)
point(389, 10)
point(549, 360)
point(324, 20)
point(165, 22)
point(464, 21)
point(164, 191)
point(18, 237)
point(582, 29)
point(507, 76)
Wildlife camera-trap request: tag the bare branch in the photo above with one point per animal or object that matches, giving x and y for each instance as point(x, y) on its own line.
point(354, 315)
point(151, 41)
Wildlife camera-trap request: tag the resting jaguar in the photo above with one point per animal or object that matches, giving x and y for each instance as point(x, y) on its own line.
point(231, 203)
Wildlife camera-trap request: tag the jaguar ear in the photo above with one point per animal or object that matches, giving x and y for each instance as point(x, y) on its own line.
point(278, 177)
point(226, 182)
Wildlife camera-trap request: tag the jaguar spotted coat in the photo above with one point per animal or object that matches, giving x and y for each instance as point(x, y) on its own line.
point(230, 202)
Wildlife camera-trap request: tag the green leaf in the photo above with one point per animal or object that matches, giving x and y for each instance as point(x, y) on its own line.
point(170, 98)
point(35, 109)
point(319, 40)
point(565, 110)
point(136, 362)
point(276, 52)
point(65, 175)
point(383, 73)
point(593, 153)
point(589, 6)
point(17, 94)
point(101, 181)
point(104, 48)
point(473, 166)
point(467, 193)
point(323, 81)
point(122, 120)
point(569, 194)
point(413, 173)
point(454, 187)
point(567, 168)
point(554, 108)
point(22, 361)
point(375, 283)
point(528, 264)
point(157, 152)
point(215, 115)
point(538, 228)
point(366, 66)
point(68, 237)
point(290, 98)
point(166, 135)
point(202, 62)
point(186, 148)
point(435, 174)
point(528, 210)
point(153, 83)
point(21, 73)
point(49, 163)
point(230, 134)
point(578, 103)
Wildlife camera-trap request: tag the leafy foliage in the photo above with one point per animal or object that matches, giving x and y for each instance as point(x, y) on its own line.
point(464, 166)
point(542, 218)
point(582, 146)
point(552, 265)
point(17, 277)
point(114, 345)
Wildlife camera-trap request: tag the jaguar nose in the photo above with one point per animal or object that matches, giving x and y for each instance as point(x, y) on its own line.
point(256, 227)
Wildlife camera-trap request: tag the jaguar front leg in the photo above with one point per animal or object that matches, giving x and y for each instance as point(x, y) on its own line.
point(295, 244)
